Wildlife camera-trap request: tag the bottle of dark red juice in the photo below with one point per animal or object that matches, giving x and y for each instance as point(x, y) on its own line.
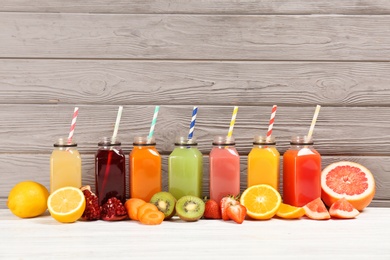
point(110, 171)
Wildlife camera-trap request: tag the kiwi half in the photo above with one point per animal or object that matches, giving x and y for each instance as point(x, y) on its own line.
point(165, 203)
point(190, 208)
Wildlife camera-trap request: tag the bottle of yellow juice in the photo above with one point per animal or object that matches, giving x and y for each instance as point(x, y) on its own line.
point(65, 165)
point(263, 162)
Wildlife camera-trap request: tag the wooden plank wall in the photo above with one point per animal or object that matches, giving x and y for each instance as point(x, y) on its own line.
point(55, 55)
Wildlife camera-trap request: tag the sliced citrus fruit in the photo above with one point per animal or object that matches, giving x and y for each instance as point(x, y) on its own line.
point(289, 212)
point(316, 210)
point(261, 201)
point(348, 180)
point(343, 209)
point(66, 204)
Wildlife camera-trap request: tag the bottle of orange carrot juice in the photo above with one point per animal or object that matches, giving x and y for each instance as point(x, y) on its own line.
point(145, 169)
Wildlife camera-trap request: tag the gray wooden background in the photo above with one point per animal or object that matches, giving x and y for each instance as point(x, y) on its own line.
point(55, 55)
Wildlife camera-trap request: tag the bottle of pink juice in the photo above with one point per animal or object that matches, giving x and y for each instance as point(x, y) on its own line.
point(224, 168)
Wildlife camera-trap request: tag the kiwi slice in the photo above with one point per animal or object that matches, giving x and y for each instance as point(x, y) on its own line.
point(165, 203)
point(190, 208)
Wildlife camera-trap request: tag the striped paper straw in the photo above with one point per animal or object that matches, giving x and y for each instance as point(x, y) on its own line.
point(233, 121)
point(154, 120)
point(116, 127)
point(192, 125)
point(271, 122)
point(73, 124)
point(313, 122)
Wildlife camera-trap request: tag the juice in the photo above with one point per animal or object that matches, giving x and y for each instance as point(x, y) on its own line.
point(65, 166)
point(145, 169)
point(224, 169)
point(185, 169)
point(263, 163)
point(110, 171)
point(301, 173)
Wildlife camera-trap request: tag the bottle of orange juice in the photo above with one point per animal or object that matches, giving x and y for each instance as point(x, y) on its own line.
point(301, 172)
point(65, 165)
point(263, 162)
point(145, 169)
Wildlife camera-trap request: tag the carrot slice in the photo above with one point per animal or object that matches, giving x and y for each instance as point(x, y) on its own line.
point(132, 205)
point(151, 217)
point(146, 207)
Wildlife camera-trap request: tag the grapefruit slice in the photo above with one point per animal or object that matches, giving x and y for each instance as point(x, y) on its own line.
point(343, 209)
point(316, 210)
point(348, 180)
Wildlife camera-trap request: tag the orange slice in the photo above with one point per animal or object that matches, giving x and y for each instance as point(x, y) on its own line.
point(66, 204)
point(261, 201)
point(290, 212)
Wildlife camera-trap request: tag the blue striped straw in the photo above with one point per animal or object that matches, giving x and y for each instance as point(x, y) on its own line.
point(151, 132)
point(192, 125)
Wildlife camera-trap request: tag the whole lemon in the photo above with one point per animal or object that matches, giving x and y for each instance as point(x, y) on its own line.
point(28, 199)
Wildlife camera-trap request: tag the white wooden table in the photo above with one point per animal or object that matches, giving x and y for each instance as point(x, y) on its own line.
point(366, 237)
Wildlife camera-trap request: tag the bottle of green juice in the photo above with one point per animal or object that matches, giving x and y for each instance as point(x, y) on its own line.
point(185, 168)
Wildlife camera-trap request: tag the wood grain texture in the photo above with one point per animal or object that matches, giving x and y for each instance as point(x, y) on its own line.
point(339, 130)
point(194, 82)
point(97, 55)
point(19, 167)
point(232, 37)
point(200, 7)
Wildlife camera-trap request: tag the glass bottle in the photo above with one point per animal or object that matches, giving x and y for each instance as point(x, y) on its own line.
point(301, 172)
point(264, 162)
point(145, 169)
point(65, 165)
point(224, 168)
point(110, 171)
point(185, 169)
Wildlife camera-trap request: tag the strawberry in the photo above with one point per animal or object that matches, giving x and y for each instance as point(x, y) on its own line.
point(236, 213)
point(212, 210)
point(226, 202)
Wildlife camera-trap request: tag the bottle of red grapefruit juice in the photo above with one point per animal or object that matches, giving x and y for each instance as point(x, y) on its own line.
point(110, 171)
point(224, 168)
point(301, 172)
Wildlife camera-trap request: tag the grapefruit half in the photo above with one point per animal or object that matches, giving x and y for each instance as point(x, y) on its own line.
point(343, 209)
point(348, 180)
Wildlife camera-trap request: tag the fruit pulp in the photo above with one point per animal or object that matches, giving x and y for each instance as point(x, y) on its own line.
point(145, 172)
point(263, 166)
point(65, 169)
point(224, 172)
point(301, 176)
point(110, 171)
point(185, 172)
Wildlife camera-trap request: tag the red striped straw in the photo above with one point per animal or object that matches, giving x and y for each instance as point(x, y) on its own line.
point(73, 125)
point(271, 122)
